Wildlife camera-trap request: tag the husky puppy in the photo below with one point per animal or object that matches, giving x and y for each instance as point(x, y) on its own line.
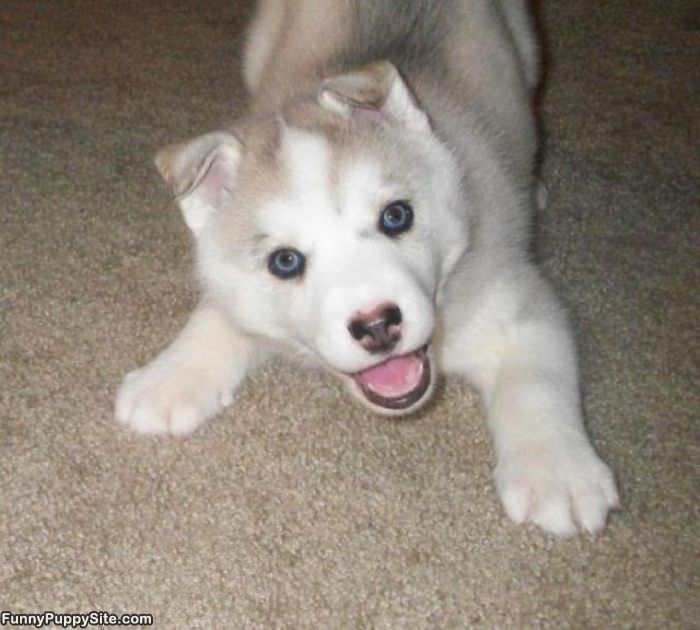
point(371, 212)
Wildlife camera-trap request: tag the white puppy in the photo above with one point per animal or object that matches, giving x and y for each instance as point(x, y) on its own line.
point(371, 212)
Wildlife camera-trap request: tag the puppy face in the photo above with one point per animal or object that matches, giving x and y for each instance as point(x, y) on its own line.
point(331, 232)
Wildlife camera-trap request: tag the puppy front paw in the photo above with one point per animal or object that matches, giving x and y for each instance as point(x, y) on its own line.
point(166, 397)
point(563, 488)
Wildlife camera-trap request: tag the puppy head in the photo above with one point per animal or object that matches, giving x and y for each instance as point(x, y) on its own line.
point(331, 227)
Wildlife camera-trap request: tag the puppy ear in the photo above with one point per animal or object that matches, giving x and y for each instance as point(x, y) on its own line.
point(375, 91)
point(201, 173)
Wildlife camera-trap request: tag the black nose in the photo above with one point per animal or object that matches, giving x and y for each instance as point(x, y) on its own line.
point(379, 329)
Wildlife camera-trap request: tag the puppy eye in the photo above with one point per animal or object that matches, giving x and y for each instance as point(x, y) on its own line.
point(396, 218)
point(286, 263)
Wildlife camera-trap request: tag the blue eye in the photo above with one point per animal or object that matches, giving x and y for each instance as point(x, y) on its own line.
point(396, 218)
point(286, 263)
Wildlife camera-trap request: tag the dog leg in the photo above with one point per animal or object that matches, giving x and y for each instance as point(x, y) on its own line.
point(261, 39)
point(519, 352)
point(190, 381)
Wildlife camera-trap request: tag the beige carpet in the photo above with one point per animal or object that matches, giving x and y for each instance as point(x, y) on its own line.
point(297, 509)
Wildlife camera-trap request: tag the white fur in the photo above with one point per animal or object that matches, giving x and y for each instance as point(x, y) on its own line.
point(460, 276)
point(525, 367)
point(347, 271)
point(191, 380)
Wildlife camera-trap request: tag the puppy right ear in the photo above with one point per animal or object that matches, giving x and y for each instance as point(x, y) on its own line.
point(376, 91)
point(201, 173)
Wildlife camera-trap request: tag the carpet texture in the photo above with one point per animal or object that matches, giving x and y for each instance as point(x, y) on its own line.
point(297, 509)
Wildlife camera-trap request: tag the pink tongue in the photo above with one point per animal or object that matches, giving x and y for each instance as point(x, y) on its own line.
point(394, 377)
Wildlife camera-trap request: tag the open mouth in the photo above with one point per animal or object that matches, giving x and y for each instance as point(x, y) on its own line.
point(397, 383)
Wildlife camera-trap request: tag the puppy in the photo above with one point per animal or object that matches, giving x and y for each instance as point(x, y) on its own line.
point(371, 212)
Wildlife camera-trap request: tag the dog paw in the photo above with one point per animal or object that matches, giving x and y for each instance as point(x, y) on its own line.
point(561, 488)
point(166, 398)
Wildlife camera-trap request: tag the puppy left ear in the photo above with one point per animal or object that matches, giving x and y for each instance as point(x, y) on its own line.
point(375, 91)
point(201, 173)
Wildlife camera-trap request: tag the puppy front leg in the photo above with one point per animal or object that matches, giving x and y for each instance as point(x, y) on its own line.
point(190, 381)
point(524, 363)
